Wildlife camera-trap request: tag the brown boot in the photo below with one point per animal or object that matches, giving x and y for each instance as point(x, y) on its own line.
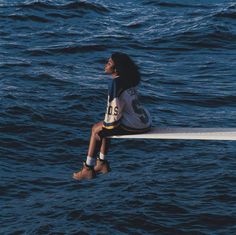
point(87, 172)
point(102, 166)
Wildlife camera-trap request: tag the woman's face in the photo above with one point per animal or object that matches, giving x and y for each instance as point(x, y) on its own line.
point(110, 67)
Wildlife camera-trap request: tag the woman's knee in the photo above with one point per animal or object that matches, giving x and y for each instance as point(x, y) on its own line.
point(96, 133)
point(96, 128)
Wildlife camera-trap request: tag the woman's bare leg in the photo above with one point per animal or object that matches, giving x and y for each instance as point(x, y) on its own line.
point(96, 144)
point(105, 146)
point(95, 141)
point(102, 165)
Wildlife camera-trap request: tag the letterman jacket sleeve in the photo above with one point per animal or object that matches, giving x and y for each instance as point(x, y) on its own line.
point(115, 106)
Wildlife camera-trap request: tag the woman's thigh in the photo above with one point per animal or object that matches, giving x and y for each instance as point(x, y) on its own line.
point(103, 133)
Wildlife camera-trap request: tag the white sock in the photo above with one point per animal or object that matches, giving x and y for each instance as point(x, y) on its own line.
point(101, 156)
point(90, 161)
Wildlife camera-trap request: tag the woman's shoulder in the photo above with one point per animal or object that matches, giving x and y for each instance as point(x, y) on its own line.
point(121, 86)
point(115, 88)
point(129, 94)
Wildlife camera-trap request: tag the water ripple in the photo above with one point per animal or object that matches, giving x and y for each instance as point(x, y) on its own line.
point(53, 89)
point(76, 5)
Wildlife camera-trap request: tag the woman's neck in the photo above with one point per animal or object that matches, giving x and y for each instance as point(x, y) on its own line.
point(114, 75)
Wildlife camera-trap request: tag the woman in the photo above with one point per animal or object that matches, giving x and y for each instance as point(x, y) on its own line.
point(124, 114)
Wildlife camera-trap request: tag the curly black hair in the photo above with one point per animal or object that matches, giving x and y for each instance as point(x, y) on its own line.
point(126, 68)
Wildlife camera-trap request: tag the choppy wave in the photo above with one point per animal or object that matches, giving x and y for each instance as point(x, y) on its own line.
point(75, 5)
point(230, 15)
point(66, 50)
point(53, 90)
point(177, 5)
point(29, 17)
point(224, 101)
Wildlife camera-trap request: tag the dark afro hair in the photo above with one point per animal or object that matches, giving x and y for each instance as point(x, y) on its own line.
point(126, 68)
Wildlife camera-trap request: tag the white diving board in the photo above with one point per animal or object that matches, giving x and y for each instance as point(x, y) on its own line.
point(178, 133)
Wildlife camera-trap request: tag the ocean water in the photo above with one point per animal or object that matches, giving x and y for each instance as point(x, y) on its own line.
point(53, 89)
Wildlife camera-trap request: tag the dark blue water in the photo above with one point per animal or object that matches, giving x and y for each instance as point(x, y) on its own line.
point(53, 89)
